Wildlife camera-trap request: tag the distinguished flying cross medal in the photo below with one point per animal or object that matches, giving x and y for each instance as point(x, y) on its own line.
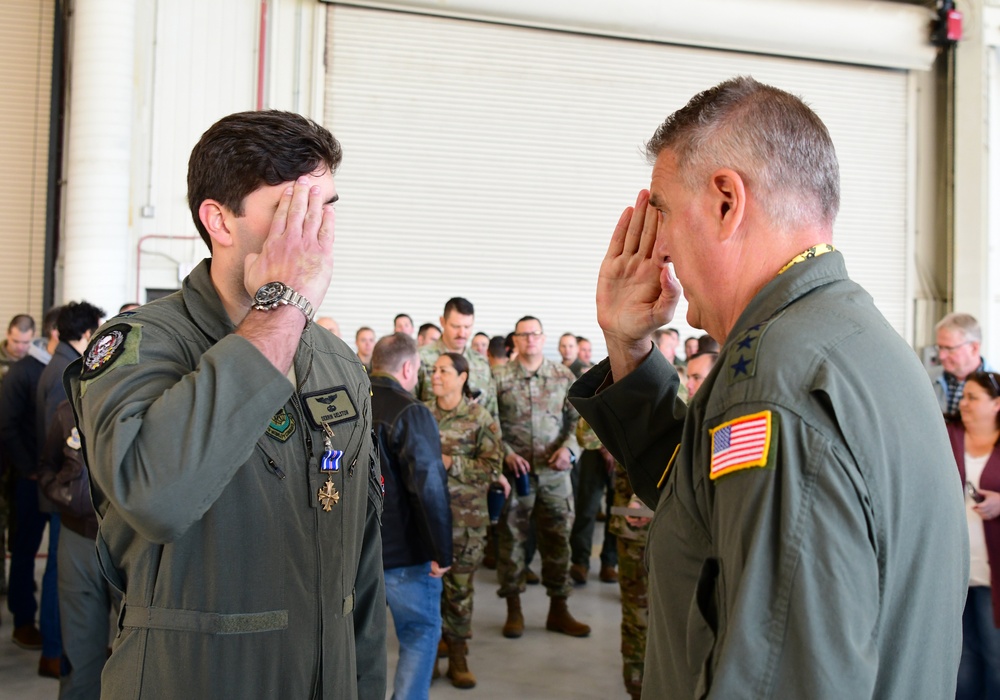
point(328, 495)
point(331, 457)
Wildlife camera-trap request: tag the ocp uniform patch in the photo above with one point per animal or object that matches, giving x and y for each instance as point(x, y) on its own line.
point(115, 346)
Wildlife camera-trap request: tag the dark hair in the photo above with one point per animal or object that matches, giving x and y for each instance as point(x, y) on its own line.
point(361, 330)
point(527, 318)
point(707, 353)
point(391, 351)
point(424, 327)
point(244, 151)
point(770, 137)
point(22, 322)
point(508, 343)
point(49, 321)
point(399, 316)
point(76, 318)
point(461, 365)
point(498, 347)
point(480, 333)
point(707, 343)
point(990, 382)
point(581, 339)
point(459, 305)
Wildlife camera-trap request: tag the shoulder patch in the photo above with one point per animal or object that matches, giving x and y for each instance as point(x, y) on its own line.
point(282, 426)
point(115, 345)
point(741, 443)
point(741, 360)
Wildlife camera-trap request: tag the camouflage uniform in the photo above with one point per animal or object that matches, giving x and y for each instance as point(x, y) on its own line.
point(480, 376)
point(537, 420)
point(632, 576)
point(472, 437)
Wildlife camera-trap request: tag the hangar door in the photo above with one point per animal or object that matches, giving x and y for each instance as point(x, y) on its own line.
point(492, 162)
point(26, 28)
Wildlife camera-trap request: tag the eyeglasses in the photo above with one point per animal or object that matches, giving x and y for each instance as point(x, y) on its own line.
point(532, 334)
point(993, 382)
point(950, 348)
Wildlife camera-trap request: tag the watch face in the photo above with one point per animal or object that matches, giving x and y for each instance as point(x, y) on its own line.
point(269, 293)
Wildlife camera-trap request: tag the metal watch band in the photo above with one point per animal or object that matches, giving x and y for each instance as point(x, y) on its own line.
point(289, 297)
point(293, 298)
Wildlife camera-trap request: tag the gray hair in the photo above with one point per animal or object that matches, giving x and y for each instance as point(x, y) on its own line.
point(966, 324)
point(392, 351)
point(776, 143)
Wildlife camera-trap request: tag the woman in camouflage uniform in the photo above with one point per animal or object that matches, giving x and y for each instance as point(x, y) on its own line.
point(472, 454)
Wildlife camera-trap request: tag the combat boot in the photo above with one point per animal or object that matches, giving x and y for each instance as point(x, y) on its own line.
point(514, 627)
point(560, 620)
point(458, 668)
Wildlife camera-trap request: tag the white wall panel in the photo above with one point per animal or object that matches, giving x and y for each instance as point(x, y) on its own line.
point(493, 161)
point(25, 76)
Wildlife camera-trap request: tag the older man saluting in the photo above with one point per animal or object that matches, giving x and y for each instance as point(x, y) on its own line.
point(809, 538)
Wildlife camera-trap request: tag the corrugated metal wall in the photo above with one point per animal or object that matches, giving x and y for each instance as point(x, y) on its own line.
point(26, 28)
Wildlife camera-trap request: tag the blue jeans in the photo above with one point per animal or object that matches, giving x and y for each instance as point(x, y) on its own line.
point(979, 670)
point(48, 615)
point(28, 530)
point(414, 598)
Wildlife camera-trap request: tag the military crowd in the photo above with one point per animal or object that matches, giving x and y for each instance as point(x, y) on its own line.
point(264, 491)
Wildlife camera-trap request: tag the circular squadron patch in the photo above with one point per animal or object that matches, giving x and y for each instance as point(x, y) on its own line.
point(104, 349)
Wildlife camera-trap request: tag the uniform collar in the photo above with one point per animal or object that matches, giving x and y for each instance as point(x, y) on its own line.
point(795, 282)
point(204, 304)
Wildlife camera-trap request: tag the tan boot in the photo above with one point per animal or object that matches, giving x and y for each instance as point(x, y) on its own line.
point(458, 669)
point(514, 627)
point(560, 620)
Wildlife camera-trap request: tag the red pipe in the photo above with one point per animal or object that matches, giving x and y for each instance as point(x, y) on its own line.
point(261, 54)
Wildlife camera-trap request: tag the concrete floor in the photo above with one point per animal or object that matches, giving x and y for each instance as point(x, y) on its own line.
point(540, 664)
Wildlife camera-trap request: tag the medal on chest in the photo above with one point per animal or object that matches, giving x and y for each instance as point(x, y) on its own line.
point(329, 463)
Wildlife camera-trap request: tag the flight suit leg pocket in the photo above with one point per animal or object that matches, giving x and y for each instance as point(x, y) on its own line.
point(704, 623)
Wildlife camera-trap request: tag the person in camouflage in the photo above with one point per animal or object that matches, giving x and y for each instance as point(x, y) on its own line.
point(472, 453)
point(630, 525)
point(539, 441)
point(456, 329)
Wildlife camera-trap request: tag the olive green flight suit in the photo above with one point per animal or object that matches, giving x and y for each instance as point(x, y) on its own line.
point(237, 580)
point(837, 568)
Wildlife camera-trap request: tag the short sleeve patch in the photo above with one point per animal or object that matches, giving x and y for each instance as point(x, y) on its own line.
point(741, 443)
point(117, 344)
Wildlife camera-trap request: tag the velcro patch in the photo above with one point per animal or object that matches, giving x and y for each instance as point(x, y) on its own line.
point(329, 407)
point(741, 443)
point(117, 344)
point(282, 426)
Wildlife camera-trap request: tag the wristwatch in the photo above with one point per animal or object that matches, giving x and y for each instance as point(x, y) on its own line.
point(274, 294)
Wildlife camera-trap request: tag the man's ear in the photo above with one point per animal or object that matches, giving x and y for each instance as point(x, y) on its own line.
point(215, 218)
point(729, 201)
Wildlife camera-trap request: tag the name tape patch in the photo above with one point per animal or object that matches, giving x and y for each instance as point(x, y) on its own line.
point(741, 443)
point(329, 406)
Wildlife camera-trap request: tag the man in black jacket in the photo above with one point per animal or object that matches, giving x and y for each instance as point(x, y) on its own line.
point(416, 518)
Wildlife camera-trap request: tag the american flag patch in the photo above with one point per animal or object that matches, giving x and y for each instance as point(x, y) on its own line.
point(740, 444)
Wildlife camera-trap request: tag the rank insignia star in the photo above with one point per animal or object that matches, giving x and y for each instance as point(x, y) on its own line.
point(328, 495)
